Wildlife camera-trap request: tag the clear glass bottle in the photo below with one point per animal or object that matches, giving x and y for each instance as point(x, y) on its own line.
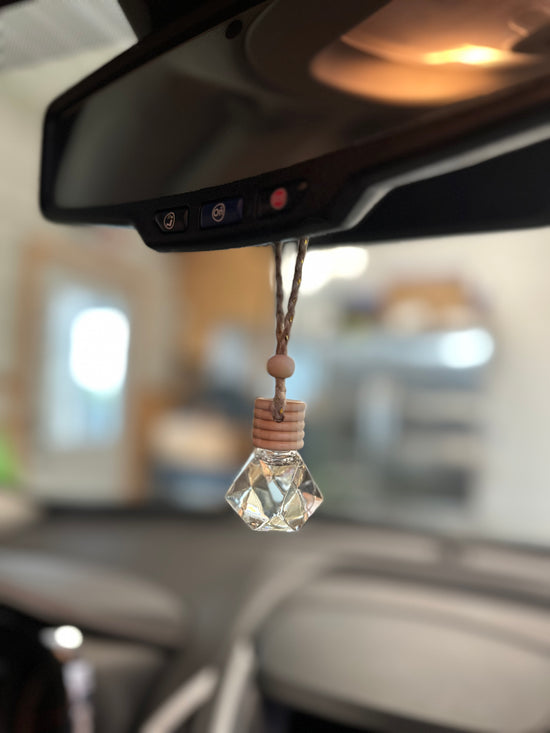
point(274, 491)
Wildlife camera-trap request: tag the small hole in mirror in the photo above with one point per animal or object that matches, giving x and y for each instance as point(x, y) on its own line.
point(233, 29)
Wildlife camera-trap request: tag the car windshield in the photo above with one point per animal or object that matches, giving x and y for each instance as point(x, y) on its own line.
point(127, 378)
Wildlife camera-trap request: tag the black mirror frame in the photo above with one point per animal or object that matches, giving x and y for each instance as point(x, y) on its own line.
point(339, 189)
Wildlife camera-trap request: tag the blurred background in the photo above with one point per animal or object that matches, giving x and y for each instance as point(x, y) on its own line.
point(128, 377)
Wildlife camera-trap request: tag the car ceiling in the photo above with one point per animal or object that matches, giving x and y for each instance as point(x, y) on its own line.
point(35, 31)
point(79, 26)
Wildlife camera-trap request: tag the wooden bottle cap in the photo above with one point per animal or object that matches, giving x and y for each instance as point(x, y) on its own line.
point(272, 435)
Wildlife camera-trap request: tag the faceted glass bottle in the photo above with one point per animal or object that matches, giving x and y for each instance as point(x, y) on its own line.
point(274, 491)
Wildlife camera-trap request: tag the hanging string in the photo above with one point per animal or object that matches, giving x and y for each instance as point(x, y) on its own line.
point(284, 322)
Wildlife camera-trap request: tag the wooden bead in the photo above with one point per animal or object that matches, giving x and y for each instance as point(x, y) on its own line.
point(280, 366)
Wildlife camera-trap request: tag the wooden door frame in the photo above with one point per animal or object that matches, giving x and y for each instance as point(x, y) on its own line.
point(98, 264)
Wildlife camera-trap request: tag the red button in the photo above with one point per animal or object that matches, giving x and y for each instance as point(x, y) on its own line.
point(278, 199)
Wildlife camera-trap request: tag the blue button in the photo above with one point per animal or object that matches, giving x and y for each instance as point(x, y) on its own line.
point(221, 213)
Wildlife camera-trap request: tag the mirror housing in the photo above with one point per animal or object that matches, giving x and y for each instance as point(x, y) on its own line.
point(339, 195)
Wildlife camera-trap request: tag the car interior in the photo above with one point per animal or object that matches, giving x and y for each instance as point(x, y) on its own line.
point(170, 173)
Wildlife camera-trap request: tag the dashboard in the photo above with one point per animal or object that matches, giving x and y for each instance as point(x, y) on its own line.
point(388, 655)
point(343, 628)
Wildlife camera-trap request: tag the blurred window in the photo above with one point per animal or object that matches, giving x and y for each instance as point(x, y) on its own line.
point(86, 342)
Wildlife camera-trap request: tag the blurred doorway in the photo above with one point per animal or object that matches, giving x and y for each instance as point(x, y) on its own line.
point(77, 332)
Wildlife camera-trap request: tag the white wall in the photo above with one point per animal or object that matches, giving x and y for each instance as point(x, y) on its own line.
point(512, 272)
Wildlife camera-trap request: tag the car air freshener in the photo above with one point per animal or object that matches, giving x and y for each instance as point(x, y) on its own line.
point(274, 490)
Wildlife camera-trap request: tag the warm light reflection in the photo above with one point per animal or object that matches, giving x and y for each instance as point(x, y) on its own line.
point(467, 54)
point(375, 78)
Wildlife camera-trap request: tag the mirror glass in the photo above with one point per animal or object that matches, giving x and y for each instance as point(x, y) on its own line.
point(195, 117)
point(218, 109)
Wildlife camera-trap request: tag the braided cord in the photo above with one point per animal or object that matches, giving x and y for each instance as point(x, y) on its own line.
point(284, 322)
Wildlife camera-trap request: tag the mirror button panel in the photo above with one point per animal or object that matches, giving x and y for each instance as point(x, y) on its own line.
point(222, 213)
point(173, 220)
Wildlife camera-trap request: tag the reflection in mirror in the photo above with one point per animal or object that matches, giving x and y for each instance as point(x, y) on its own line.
point(214, 110)
point(194, 118)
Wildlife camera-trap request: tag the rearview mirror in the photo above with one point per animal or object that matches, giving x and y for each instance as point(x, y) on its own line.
point(254, 123)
